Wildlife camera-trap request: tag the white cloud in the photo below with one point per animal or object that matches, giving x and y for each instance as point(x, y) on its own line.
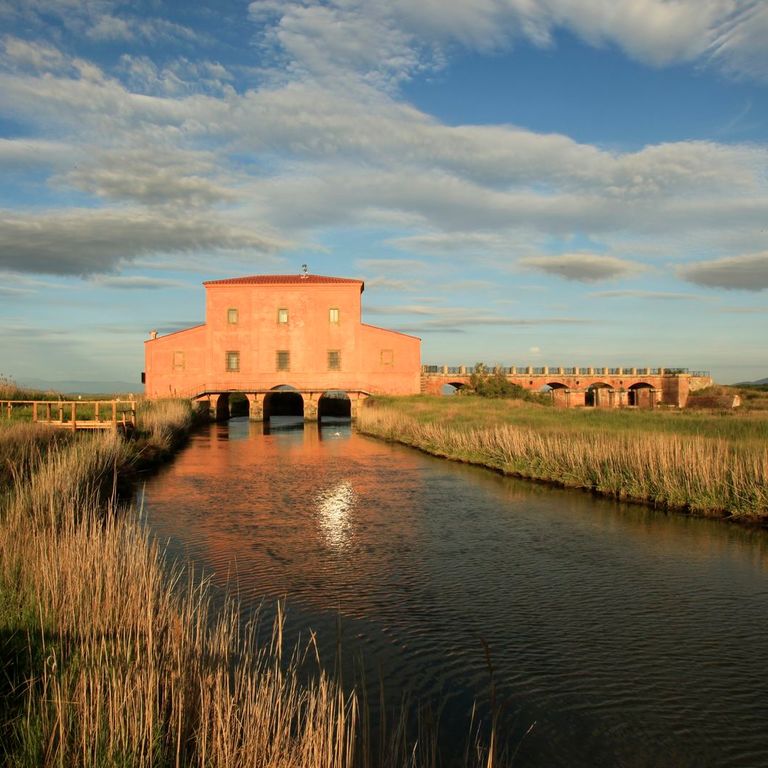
point(87, 241)
point(584, 267)
point(37, 56)
point(748, 272)
point(151, 175)
point(393, 39)
point(320, 152)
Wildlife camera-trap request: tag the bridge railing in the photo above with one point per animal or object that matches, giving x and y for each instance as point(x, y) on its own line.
point(527, 370)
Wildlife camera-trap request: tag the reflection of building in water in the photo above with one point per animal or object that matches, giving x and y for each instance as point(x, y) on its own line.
point(268, 335)
point(285, 514)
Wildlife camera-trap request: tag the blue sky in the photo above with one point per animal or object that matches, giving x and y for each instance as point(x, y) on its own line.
point(517, 181)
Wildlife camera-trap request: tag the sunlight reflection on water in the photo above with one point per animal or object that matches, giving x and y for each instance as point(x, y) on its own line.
point(334, 507)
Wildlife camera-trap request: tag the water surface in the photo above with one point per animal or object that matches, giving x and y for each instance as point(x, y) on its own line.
point(624, 636)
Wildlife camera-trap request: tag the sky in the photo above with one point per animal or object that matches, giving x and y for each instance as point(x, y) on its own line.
point(518, 182)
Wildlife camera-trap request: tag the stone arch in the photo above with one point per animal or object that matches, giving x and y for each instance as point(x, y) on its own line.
point(640, 394)
point(334, 405)
point(239, 405)
point(222, 407)
point(452, 387)
point(556, 390)
point(283, 400)
point(598, 394)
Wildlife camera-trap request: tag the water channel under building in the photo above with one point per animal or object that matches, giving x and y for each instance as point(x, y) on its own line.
point(624, 636)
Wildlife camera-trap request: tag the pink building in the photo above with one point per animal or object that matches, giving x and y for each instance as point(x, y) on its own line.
point(292, 331)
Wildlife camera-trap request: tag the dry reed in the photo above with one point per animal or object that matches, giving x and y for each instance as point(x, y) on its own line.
point(707, 476)
point(113, 658)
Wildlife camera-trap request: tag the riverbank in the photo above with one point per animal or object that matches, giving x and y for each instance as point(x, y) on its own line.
point(710, 465)
point(112, 656)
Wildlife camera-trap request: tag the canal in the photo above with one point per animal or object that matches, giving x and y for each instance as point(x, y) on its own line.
point(618, 636)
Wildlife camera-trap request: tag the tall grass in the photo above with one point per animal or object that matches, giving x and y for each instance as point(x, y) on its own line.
point(21, 448)
point(111, 657)
point(163, 422)
point(474, 412)
point(711, 476)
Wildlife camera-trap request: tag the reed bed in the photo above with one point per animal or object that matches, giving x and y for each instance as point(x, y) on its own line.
point(109, 656)
point(707, 476)
point(472, 412)
point(164, 421)
point(22, 446)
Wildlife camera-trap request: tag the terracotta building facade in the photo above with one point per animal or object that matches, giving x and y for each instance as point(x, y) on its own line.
point(265, 332)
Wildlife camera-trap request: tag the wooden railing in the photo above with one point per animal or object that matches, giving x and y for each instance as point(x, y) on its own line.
point(73, 414)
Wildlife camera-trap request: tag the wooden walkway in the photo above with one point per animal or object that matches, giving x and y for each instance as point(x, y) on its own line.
point(73, 414)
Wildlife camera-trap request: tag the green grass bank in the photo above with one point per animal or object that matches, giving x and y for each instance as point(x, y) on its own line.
point(110, 656)
point(707, 464)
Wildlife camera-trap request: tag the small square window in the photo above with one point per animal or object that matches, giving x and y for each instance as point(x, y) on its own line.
point(283, 360)
point(387, 356)
point(334, 360)
point(233, 361)
point(178, 361)
point(232, 317)
point(333, 315)
point(282, 316)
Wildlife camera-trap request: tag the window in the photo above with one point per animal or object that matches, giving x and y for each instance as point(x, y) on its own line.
point(333, 315)
point(387, 356)
point(334, 360)
point(282, 316)
point(178, 361)
point(232, 316)
point(233, 361)
point(283, 360)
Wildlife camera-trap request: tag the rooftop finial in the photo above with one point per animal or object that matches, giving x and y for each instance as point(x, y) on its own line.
point(304, 270)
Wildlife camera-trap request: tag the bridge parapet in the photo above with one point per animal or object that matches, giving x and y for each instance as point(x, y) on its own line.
point(577, 385)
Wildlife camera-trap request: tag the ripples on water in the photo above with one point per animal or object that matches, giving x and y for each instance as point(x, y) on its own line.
point(630, 638)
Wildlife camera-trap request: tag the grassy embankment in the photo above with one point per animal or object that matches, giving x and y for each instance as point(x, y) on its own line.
point(106, 660)
point(708, 464)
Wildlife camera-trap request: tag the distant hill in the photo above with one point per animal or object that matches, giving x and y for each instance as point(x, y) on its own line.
point(758, 383)
point(84, 387)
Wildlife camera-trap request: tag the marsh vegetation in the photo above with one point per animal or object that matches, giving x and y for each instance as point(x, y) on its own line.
point(112, 656)
point(712, 464)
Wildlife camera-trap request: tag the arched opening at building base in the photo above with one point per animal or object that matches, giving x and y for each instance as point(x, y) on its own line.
point(238, 405)
point(557, 391)
point(334, 407)
point(640, 395)
point(452, 388)
point(283, 405)
point(598, 395)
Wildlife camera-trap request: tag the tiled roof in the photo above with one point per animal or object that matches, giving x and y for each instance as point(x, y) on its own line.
point(282, 280)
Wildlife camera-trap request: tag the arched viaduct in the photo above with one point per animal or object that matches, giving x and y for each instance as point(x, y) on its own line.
point(578, 386)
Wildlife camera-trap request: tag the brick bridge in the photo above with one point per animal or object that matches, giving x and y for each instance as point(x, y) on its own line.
point(571, 387)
